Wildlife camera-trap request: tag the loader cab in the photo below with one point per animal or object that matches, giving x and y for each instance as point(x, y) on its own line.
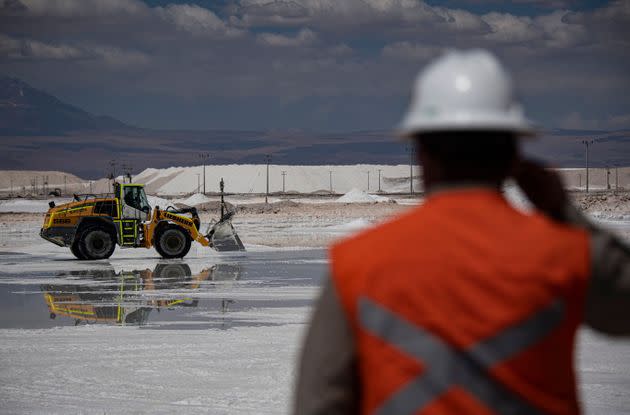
point(133, 201)
point(133, 209)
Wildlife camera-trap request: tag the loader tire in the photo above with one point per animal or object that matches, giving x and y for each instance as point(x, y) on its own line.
point(172, 242)
point(76, 251)
point(96, 243)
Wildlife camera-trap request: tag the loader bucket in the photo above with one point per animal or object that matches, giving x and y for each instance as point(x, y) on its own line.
point(223, 237)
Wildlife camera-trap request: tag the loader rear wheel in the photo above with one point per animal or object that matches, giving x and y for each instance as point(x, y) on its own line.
point(96, 243)
point(172, 242)
point(76, 251)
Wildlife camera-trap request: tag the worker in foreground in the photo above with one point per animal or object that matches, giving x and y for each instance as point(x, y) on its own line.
point(464, 305)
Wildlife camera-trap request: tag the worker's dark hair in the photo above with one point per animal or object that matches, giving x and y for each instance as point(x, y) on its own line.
point(471, 155)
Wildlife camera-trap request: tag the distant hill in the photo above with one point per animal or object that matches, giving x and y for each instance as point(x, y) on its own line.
point(25, 110)
point(40, 132)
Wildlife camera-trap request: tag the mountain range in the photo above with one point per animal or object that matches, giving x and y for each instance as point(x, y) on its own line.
point(40, 132)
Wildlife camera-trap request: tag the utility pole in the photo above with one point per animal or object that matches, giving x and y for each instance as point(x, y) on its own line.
point(379, 180)
point(127, 169)
point(587, 143)
point(368, 173)
point(284, 174)
point(11, 179)
point(90, 186)
point(198, 183)
point(410, 150)
point(268, 160)
point(112, 164)
point(65, 185)
point(607, 178)
point(123, 168)
point(112, 175)
point(204, 157)
point(616, 177)
point(330, 180)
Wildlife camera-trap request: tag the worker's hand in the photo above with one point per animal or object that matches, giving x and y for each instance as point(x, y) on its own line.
point(543, 187)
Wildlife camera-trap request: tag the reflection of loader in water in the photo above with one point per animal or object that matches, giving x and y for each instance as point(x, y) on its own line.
point(121, 298)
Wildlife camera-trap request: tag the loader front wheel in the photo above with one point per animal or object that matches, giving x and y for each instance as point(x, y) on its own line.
point(76, 251)
point(96, 243)
point(172, 242)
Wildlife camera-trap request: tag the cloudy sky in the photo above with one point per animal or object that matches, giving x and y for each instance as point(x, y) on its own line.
point(319, 65)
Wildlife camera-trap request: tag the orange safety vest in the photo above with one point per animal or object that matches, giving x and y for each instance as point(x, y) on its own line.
point(465, 305)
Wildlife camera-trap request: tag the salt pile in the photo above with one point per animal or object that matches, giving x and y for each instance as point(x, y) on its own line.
point(28, 205)
point(196, 199)
point(158, 201)
point(252, 178)
point(352, 226)
point(359, 196)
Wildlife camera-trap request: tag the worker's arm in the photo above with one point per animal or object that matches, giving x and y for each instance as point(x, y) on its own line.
point(327, 378)
point(608, 297)
point(607, 306)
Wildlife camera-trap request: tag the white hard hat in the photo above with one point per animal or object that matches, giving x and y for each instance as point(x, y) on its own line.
point(464, 91)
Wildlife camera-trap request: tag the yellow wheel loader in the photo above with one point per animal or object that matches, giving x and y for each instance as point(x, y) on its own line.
point(92, 225)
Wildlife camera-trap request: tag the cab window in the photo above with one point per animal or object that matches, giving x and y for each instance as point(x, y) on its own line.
point(134, 197)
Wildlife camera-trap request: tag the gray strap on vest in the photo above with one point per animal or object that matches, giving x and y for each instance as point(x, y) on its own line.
point(446, 367)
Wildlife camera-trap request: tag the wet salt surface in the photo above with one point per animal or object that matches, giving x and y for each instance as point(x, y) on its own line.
point(198, 293)
point(213, 334)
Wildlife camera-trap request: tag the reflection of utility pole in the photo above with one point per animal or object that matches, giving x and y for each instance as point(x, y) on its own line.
point(225, 305)
point(330, 180)
point(379, 180)
point(284, 174)
point(11, 179)
point(368, 173)
point(580, 179)
point(587, 143)
point(268, 160)
point(204, 157)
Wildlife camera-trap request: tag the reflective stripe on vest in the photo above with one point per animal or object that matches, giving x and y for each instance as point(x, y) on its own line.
point(446, 367)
